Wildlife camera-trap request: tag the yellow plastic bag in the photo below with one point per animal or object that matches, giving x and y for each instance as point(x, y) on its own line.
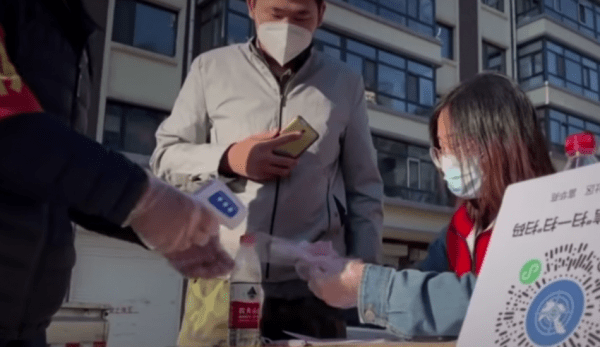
point(205, 321)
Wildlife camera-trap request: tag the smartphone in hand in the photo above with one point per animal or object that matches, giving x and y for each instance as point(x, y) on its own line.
point(296, 148)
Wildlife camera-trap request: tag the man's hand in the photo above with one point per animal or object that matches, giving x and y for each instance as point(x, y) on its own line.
point(254, 159)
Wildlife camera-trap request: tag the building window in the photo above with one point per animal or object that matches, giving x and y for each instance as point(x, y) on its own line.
point(561, 67)
point(408, 172)
point(497, 4)
point(399, 83)
point(531, 65)
point(142, 25)
point(131, 129)
point(580, 15)
point(494, 58)
point(446, 35)
point(418, 15)
point(559, 125)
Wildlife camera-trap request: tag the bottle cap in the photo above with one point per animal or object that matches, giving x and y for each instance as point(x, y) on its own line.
point(583, 143)
point(248, 239)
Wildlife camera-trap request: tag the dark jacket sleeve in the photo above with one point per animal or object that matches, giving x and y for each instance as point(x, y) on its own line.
point(437, 256)
point(104, 227)
point(45, 160)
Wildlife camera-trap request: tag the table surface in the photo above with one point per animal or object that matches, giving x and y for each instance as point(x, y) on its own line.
point(385, 344)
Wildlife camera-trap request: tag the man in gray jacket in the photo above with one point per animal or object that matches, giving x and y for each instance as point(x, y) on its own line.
point(226, 123)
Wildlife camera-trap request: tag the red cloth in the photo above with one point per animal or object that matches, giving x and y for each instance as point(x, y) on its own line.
point(15, 95)
point(459, 255)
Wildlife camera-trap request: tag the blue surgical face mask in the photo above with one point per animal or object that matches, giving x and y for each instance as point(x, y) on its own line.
point(463, 180)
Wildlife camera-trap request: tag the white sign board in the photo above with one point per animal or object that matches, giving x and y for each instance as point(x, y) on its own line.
point(540, 282)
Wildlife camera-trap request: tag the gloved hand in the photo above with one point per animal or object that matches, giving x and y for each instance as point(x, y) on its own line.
point(314, 250)
point(336, 280)
point(179, 227)
point(209, 261)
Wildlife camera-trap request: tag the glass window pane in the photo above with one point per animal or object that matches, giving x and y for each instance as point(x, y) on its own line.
point(365, 5)
point(594, 80)
point(238, 5)
point(569, 8)
point(554, 47)
point(396, 5)
point(538, 63)
point(391, 103)
point(426, 11)
point(426, 91)
point(552, 63)
point(360, 48)
point(575, 121)
point(558, 116)
point(392, 81)
point(573, 71)
point(124, 21)
point(238, 29)
point(413, 174)
point(155, 29)
point(445, 35)
point(326, 36)
point(525, 67)
point(413, 8)
point(334, 52)
point(418, 152)
point(140, 127)
point(589, 63)
point(355, 62)
point(555, 133)
point(428, 177)
point(534, 47)
point(572, 55)
point(593, 127)
point(412, 88)
point(392, 59)
point(557, 81)
point(391, 15)
point(575, 88)
point(420, 69)
point(370, 76)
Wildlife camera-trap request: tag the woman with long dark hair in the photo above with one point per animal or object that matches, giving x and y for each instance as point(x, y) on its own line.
point(485, 136)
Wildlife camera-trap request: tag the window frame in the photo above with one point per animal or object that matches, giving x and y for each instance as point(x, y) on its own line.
point(499, 4)
point(407, 18)
point(485, 56)
point(124, 105)
point(559, 147)
point(176, 33)
point(450, 43)
point(421, 106)
point(440, 196)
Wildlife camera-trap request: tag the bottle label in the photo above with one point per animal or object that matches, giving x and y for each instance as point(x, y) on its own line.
point(244, 309)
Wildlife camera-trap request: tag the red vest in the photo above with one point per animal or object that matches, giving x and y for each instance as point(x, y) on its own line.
point(459, 256)
point(15, 95)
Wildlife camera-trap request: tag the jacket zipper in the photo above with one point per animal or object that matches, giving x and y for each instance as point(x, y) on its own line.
point(283, 93)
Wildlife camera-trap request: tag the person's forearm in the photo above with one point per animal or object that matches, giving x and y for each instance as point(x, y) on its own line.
point(414, 303)
point(45, 160)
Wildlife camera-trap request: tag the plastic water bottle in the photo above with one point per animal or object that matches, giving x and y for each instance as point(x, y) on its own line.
point(581, 150)
point(246, 296)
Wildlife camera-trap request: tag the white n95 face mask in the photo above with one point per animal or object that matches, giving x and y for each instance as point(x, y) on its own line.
point(463, 180)
point(283, 41)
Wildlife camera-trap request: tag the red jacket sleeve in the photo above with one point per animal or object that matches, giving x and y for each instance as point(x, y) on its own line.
point(15, 95)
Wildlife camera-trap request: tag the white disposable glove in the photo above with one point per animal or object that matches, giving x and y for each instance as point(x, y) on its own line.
point(313, 252)
point(336, 280)
point(180, 228)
